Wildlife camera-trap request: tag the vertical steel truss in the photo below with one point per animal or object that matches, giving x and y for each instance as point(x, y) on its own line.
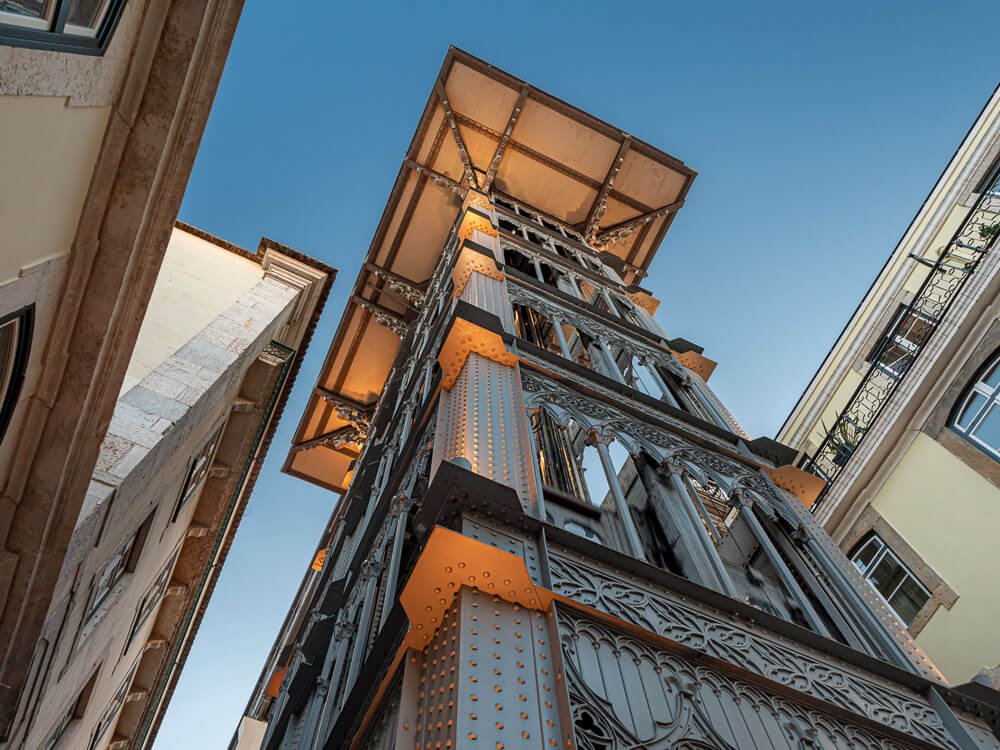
point(947, 275)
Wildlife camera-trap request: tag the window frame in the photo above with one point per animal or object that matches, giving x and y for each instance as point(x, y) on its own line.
point(151, 599)
point(991, 396)
point(989, 177)
point(887, 341)
point(109, 716)
point(73, 712)
point(28, 31)
point(199, 468)
point(12, 377)
point(882, 552)
point(125, 557)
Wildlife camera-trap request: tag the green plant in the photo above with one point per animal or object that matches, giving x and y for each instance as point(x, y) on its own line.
point(989, 231)
point(843, 439)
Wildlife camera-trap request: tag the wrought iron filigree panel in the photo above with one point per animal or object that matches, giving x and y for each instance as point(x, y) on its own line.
point(776, 659)
point(890, 363)
point(538, 390)
point(626, 693)
point(731, 476)
point(592, 326)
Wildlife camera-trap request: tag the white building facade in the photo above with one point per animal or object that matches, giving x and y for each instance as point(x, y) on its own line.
point(212, 367)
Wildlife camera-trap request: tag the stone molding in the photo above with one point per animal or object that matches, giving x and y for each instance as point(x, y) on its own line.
point(308, 280)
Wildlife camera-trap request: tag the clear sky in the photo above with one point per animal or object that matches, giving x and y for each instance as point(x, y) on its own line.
point(817, 130)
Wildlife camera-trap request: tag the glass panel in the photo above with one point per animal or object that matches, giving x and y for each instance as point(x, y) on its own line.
point(896, 358)
point(8, 348)
point(972, 407)
point(992, 378)
point(28, 8)
point(86, 13)
point(60, 730)
point(908, 600)
point(915, 329)
point(864, 556)
point(988, 429)
point(642, 380)
point(887, 575)
point(596, 481)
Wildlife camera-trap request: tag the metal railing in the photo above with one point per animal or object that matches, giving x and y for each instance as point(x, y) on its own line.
point(909, 333)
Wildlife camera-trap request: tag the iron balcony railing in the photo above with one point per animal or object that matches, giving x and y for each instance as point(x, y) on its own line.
point(909, 333)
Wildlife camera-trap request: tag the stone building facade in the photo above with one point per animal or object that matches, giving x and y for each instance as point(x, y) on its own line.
point(552, 533)
point(213, 365)
point(900, 417)
point(101, 114)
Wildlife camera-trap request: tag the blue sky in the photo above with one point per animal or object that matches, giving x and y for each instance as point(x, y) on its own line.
point(816, 129)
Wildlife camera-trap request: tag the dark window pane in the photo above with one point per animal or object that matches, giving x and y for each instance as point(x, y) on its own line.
point(915, 329)
point(29, 8)
point(887, 575)
point(864, 556)
point(908, 600)
point(8, 348)
point(896, 358)
point(85, 13)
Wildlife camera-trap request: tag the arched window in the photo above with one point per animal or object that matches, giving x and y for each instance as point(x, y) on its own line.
point(978, 415)
point(15, 346)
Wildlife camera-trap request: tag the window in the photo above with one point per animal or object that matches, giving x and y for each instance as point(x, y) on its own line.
point(74, 711)
point(978, 416)
point(107, 719)
point(121, 562)
point(147, 605)
point(198, 470)
point(15, 346)
point(83, 26)
point(899, 343)
point(890, 578)
point(59, 730)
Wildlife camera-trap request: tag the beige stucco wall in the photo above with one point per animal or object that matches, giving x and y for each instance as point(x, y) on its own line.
point(951, 516)
point(198, 280)
point(48, 151)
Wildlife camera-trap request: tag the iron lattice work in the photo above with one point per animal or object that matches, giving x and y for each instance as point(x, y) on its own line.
point(910, 333)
